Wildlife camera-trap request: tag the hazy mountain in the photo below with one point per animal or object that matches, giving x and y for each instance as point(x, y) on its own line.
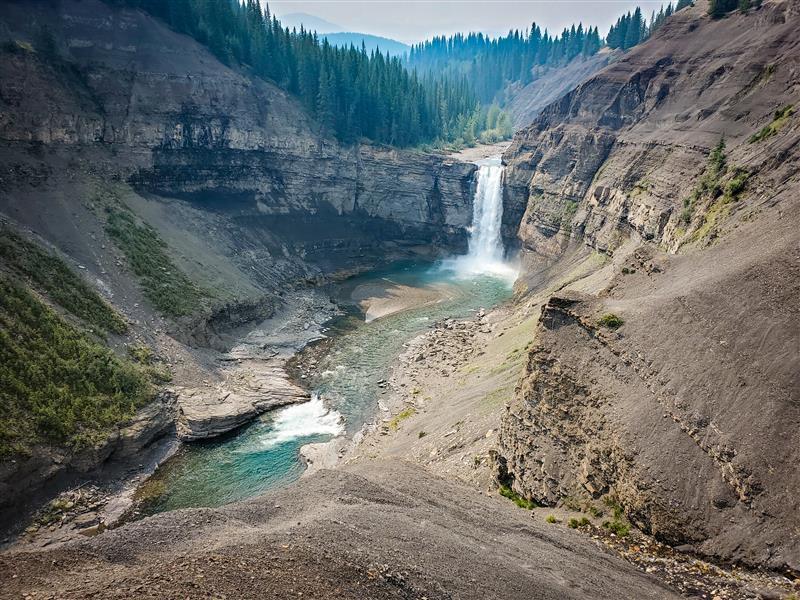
point(318, 24)
point(383, 44)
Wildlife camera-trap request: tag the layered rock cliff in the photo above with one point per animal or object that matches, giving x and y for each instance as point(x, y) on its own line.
point(105, 111)
point(686, 414)
point(162, 113)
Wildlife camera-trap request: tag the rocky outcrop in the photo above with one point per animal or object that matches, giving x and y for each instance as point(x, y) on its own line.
point(206, 413)
point(684, 414)
point(621, 153)
point(23, 476)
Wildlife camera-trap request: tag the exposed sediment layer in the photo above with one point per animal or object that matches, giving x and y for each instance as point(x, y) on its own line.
point(687, 414)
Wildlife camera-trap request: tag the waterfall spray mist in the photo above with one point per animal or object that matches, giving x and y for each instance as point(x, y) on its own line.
point(486, 255)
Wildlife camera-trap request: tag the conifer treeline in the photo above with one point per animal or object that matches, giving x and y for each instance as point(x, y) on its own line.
point(632, 29)
point(490, 63)
point(350, 92)
point(718, 8)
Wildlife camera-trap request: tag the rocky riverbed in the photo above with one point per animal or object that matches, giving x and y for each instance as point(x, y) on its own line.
point(436, 415)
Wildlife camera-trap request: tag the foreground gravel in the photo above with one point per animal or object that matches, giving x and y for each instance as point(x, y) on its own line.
point(377, 529)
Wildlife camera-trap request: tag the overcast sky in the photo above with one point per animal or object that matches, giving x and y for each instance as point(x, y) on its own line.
point(415, 20)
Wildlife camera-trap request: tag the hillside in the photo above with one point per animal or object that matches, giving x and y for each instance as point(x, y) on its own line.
point(172, 233)
point(680, 403)
point(525, 102)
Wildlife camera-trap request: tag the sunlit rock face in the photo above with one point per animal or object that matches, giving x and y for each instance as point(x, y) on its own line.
point(684, 414)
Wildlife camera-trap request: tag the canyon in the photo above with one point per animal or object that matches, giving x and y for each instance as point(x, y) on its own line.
point(644, 374)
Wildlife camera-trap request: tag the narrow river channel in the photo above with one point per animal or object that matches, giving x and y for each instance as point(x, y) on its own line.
point(346, 379)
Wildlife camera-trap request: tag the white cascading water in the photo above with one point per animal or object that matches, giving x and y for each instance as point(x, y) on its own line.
point(303, 420)
point(486, 255)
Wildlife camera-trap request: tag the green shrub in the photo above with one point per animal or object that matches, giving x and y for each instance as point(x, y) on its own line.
point(595, 512)
point(58, 385)
point(616, 507)
point(611, 321)
point(779, 119)
point(141, 354)
point(736, 184)
point(617, 527)
point(552, 519)
point(507, 492)
point(618, 524)
point(166, 286)
point(51, 275)
point(717, 159)
point(575, 523)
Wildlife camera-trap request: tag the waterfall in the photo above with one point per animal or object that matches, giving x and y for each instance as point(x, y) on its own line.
point(485, 243)
point(486, 255)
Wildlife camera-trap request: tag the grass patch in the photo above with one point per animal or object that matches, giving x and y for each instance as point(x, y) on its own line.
point(616, 507)
point(507, 492)
point(569, 213)
point(575, 523)
point(708, 184)
point(720, 185)
point(166, 286)
point(610, 321)
point(59, 385)
point(497, 397)
point(617, 527)
point(779, 119)
point(51, 275)
point(594, 511)
point(720, 209)
point(404, 414)
point(143, 355)
point(552, 519)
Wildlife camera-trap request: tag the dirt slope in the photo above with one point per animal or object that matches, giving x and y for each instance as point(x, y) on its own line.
point(380, 530)
point(526, 102)
point(688, 413)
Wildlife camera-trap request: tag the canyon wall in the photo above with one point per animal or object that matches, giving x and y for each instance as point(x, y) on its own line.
point(156, 110)
point(107, 111)
point(685, 411)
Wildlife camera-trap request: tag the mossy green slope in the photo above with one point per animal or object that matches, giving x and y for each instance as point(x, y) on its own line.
point(164, 284)
point(47, 272)
point(58, 384)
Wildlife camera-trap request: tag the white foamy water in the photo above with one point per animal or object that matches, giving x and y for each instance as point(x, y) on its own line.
point(303, 420)
point(486, 255)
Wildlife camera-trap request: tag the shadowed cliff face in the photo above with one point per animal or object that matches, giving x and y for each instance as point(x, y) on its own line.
point(687, 414)
point(157, 110)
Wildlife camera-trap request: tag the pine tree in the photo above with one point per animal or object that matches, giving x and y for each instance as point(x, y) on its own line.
point(633, 35)
point(719, 8)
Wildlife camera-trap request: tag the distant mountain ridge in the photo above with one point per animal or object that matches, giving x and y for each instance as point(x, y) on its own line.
point(371, 42)
point(309, 22)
